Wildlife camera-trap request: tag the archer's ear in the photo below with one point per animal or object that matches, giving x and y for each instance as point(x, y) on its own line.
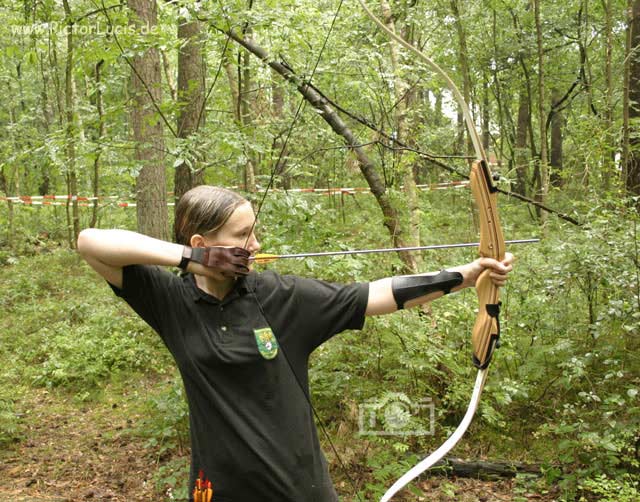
point(197, 241)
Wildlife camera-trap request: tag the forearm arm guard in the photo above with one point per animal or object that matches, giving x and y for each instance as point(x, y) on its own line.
point(409, 287)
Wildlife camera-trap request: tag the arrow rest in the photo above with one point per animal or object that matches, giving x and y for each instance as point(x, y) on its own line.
point(489, 176)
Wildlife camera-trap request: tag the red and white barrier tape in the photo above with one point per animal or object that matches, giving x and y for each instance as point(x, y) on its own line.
point(55, 200)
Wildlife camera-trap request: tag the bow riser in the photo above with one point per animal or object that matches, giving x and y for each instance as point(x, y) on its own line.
point(486, 330)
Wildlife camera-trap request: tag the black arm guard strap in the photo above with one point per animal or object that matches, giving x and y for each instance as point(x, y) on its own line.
point(408, 287)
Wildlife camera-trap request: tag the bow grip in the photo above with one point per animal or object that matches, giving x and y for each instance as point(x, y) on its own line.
point(486, 330)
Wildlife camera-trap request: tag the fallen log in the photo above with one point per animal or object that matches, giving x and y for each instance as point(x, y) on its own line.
point(486, 470)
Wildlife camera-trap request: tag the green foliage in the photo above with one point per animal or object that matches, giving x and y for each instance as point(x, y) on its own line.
point(63, 327)
point(167, 428)
point(624, 489)
point(171, 479)
point(10, 426)
point(385, 466)
point(576, 366)
point(295, 224)
point(82, 357)
point(565, 375)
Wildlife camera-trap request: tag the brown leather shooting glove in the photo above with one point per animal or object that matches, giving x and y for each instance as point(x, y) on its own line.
point(230, 262)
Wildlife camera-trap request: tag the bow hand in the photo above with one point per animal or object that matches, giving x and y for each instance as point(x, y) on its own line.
point(496, 271)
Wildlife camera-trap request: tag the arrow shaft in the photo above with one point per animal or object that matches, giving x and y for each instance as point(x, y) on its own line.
point(385, 250)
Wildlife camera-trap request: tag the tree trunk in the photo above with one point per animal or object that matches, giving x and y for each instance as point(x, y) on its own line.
point(279, 147)
point(557, 122)
point(525, 110)
point(487, 470)
point(191, 100)
point(247, 102)
point(461, 128)
point(521, 154)
point(151, 189)
point(98, 139)
point(506, 126)
point(633, 163)
point(437, 108)
point(541, 168)
point(610, 144)
point(583, 39)
point(73, 220)
point(8, 182)
point(239, 77)
point(464, 64)
point(168, 72)
point(232, 76)
point(624, 160)
point(47, 119)
point(402, 97)
point(486, 133)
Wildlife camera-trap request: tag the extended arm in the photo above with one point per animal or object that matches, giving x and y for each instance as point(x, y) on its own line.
point(383, 301)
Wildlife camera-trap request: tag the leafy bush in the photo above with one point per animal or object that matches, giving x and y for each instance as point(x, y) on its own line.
point(604, 489)
point(10, 427)
point(166, 429)
point(64, 327)
point(167, 425)
point(170, 479)
point(81, 357)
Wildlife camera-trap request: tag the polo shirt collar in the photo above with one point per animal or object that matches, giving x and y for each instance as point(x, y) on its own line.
point(240, 288)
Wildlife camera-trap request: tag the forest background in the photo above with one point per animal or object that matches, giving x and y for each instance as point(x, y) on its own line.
point(112, 110)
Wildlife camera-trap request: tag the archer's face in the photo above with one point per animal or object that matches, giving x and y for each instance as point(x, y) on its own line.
point(238, 231)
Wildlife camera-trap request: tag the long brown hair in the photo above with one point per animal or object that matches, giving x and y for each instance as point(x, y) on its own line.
point(204, 209)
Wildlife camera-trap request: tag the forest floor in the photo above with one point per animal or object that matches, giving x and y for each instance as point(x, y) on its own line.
point(87, 452)
point(78, 451)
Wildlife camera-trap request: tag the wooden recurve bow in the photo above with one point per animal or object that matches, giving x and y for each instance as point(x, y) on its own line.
point(486, 331)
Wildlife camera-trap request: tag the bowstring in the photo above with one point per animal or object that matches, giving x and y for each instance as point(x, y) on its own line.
point(299, 109)
point(272, 177)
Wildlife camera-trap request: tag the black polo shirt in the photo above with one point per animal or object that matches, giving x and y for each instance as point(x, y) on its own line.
point(252, 429)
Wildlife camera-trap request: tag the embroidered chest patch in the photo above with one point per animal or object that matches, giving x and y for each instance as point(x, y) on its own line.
point(267, 343)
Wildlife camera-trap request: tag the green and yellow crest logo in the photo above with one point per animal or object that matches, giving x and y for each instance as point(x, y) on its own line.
point(267, 343)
